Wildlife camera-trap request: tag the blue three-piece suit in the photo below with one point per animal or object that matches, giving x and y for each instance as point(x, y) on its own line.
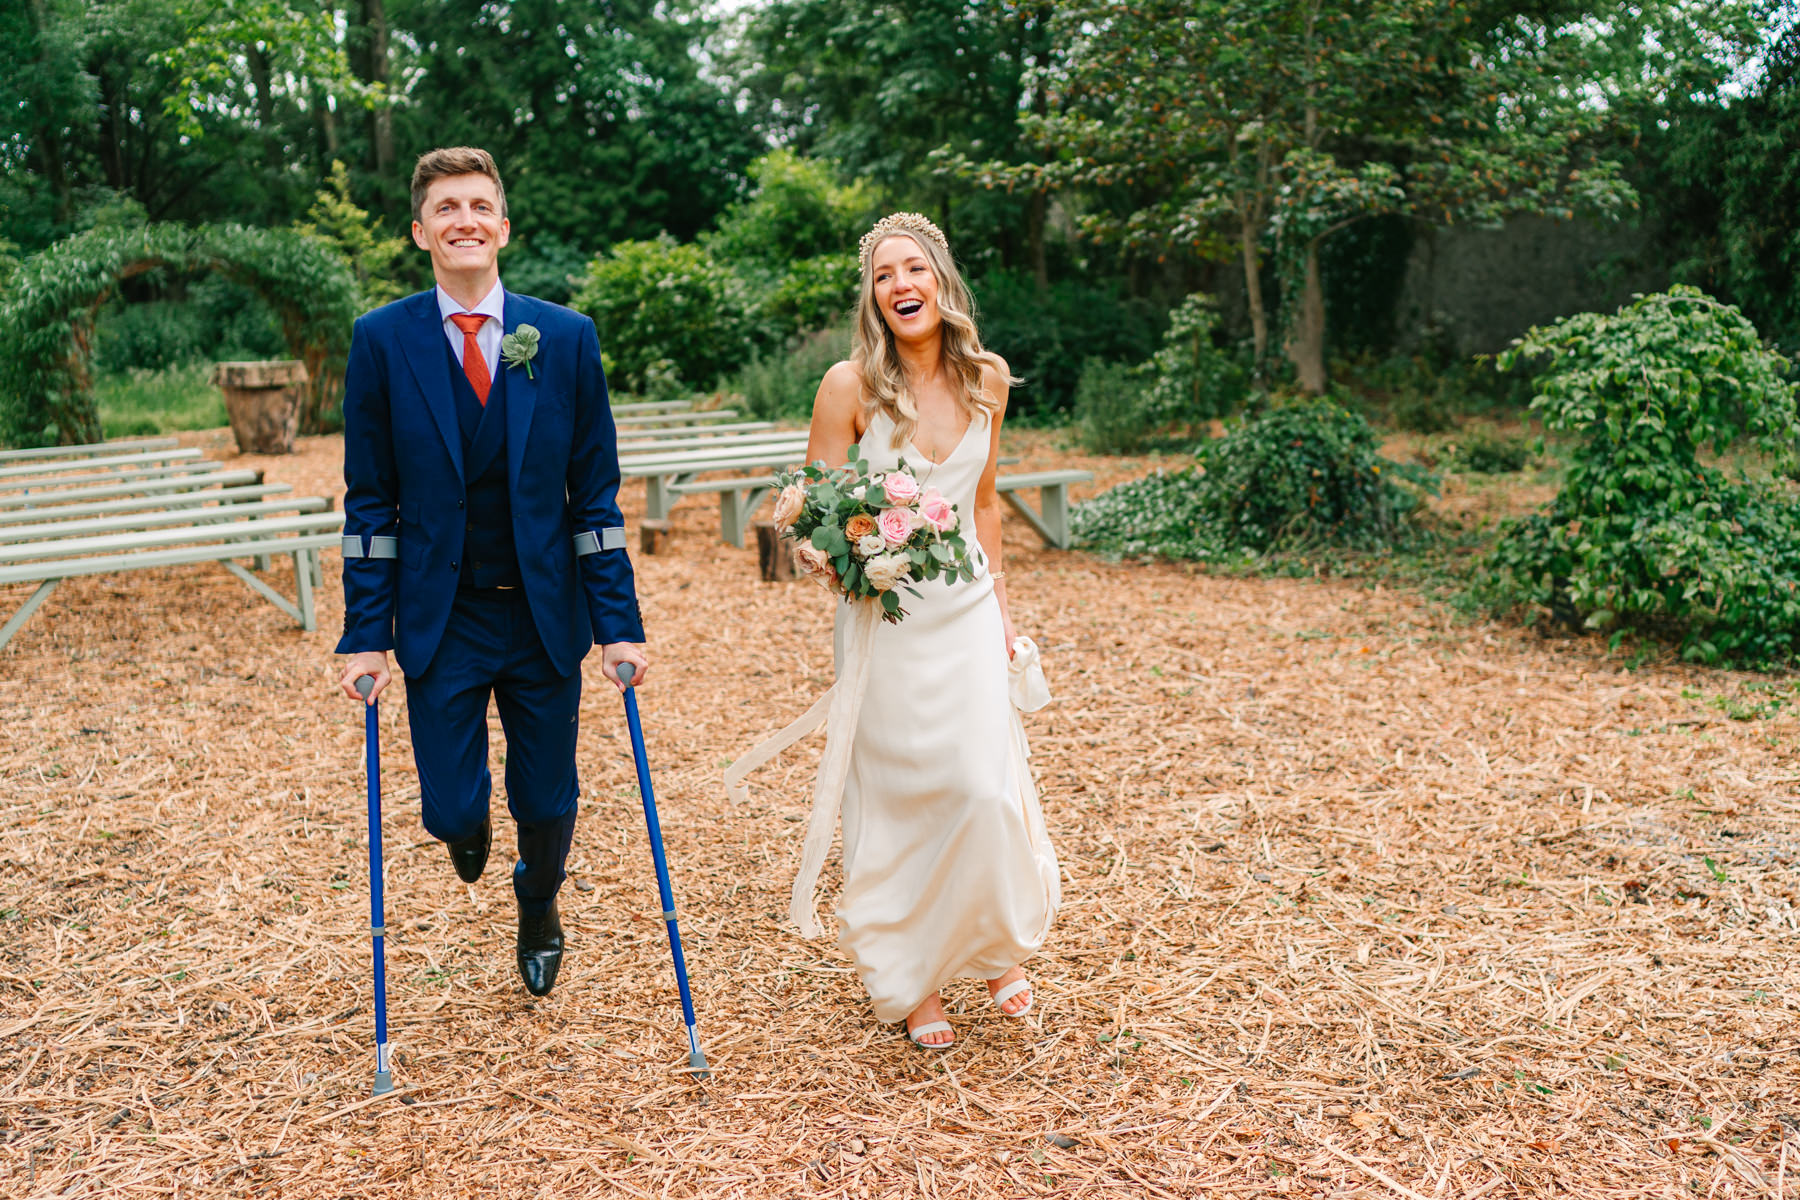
point(483, 545)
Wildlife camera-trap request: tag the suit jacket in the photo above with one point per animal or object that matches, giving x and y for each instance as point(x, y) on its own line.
point(406, 498)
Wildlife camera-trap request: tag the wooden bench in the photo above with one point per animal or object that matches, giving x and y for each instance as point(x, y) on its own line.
point(630, 436)
point(87, 449)
point(676, 418)
point(47, 563)
point(51, 468)
point(96, 508)
point(652, 406)
point(664, 469)
point(740, 497)
point(46, 484)
point(157, 485)
point(1051, 517)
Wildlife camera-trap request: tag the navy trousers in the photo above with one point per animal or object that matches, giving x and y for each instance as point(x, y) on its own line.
point(491, 647)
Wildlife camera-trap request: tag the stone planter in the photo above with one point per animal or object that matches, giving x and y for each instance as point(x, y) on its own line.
point(263, 401)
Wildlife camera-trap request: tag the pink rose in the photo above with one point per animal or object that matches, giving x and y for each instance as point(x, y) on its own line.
point(788, 505)
point(816, 563)
point(900, 487)
point(896, 525)
point(937, 512)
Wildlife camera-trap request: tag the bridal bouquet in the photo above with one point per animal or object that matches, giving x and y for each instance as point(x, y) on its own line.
point(869, 534)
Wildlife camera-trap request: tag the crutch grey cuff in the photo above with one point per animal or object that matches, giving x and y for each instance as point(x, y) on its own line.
point(589, 542)
point(378, 545)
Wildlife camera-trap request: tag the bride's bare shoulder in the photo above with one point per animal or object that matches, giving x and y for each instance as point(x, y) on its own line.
point(841, 390)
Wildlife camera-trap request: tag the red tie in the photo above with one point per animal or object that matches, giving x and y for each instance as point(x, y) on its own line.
point(474, 366)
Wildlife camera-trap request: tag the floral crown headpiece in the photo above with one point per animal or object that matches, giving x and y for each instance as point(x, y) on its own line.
point(917, 224)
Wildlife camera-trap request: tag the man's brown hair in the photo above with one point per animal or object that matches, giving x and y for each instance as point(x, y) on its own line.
point(453, 160)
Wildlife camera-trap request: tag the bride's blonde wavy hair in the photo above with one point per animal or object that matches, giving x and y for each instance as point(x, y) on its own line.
point(963, 356)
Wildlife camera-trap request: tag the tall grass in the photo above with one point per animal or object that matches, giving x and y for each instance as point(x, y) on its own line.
point(136, 402)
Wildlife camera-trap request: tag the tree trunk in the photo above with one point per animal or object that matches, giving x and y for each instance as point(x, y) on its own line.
point(1253, 295)
point(262, 80)
point(1306, 340)
point(368, 47)
point(1034, 238)
point(50, 135)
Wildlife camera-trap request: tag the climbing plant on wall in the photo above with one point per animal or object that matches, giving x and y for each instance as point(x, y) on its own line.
point(47, 321)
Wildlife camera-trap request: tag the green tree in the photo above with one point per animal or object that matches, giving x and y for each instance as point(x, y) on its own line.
point(878, 85)
point(336, 221)
point(661, 305)
point(1246, 125)
point(1725, 181)
point(605, 126)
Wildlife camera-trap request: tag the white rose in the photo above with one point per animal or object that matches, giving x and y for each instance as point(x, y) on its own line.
point(869, 546)
point(887, 571)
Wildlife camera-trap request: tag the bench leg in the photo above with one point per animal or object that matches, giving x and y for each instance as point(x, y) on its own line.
point(1053, 503)
point(305, 563)
point(735, 511)
point(657, 499)
point(268, 593)
point(1031, 517)
point(25, 610)
point(731, 518)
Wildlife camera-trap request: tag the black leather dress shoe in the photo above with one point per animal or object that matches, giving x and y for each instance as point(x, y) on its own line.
point(540, 949)
point(469, 856)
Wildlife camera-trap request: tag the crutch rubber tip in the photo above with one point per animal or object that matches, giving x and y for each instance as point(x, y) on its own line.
point(384, 1082)
point(697, 1065)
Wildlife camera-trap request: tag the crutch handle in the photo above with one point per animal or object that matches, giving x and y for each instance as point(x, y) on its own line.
point(626, 671)
point(364, 685)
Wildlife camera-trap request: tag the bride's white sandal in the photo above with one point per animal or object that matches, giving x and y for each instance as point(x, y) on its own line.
point(913, 1035)
point(1008, 992)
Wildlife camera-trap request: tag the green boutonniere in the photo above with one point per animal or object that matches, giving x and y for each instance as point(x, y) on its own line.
point(519, 347)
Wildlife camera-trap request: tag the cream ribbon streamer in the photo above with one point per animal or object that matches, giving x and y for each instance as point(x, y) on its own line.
point(837, 710)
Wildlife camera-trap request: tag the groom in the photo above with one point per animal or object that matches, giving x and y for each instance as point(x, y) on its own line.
point(482, 537)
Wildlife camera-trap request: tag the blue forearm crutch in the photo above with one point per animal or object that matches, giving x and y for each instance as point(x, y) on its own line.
point(696, 1057)
point(384, 1079)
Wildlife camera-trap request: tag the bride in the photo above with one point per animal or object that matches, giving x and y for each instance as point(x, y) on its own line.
point(948, 872)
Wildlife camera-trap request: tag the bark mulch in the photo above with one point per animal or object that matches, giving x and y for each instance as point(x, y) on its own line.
point(1361, 898)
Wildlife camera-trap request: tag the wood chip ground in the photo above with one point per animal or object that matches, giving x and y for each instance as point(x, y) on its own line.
point(1361, 899)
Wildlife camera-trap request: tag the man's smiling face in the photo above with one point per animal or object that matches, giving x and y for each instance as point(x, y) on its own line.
point(462, 227)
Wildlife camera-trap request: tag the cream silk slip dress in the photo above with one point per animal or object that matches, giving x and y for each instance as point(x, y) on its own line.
point(948, 868)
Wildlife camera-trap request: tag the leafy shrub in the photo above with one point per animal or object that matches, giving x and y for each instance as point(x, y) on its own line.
point(543, 265)
point(1644, 536)
point(1195, 379)
point(780, 385)
point(1167, 513)
point(793, 243)
point(336, 222)
point(661, 300)
point(1485, 453)
point(797, 210)
point(1047, 334)
point(1112, 407)
point(48, 319)
point(1303, 474)
point(816, 292)
point(1311, 471)
point(1122, 410)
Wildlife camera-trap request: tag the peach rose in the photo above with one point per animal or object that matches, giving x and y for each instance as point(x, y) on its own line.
point(859, 527)
point(936, 511)
point(789, 505)
point(900, 488)
point(896, 525)
point(816, 563)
